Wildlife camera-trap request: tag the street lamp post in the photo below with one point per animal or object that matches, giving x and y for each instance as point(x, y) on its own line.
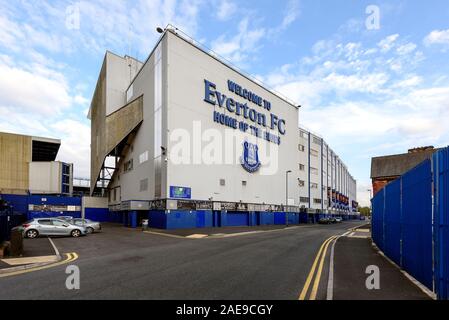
point(286, 196)
point(370, 201)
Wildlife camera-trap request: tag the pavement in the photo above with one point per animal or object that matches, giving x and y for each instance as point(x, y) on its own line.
point(353, 254)
point(37, 250)
point(122, 263)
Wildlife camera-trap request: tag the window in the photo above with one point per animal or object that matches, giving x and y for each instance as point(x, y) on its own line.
point(301, 147)
point(128, 166)
point(301, 183)
point(317, 201)
point(304, 199)
point(301, 167)
point(46, 222)
point(143, 157)
point(314, 171)
point(244, 183)
point(314, 185)
point(316, 140)
point(313, 153)
point(301, 134)
point(59, 223)
point(222, 182)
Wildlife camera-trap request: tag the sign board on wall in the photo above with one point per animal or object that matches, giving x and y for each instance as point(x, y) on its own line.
point(180, 192)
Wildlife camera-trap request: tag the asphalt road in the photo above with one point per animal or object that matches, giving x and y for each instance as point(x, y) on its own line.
point(121, 263)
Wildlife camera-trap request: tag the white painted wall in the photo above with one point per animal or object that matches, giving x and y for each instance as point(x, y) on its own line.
point(187, 69)
point(45, 177)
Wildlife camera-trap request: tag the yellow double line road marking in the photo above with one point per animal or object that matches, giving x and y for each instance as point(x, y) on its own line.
point(321, 253)
point(69, 258)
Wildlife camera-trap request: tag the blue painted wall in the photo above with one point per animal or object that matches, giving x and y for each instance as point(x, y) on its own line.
point(279, 218)
point(44, 214)
point(182, 219)
point(157, 219)
point(266, 218)
point(20, 205)
point(236, 219)
point(98, 214)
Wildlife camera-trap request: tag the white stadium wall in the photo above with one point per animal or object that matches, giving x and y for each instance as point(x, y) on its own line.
point(188, 112)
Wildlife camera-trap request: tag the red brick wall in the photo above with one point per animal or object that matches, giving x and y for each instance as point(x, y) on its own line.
point(379, 183)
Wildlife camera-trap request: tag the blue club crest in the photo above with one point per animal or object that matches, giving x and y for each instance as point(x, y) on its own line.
point(250, 159)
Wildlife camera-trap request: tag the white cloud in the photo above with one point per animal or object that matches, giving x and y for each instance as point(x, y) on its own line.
point(247, 40)
point(292, 12)
point(103, 25)
point(368, 83)
point(237, 48)
point(33, 92)
point(388, 43)
point(75, 144)
point(367, 101)
point(306, 92)
point(225, 10)
point(412, 81)
point(406, 48)
point(437, 37)
point(40, 96)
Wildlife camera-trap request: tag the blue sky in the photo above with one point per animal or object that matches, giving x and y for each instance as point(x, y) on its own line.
point(366, 91)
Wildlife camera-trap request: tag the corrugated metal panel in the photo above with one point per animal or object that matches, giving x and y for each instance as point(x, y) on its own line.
point(279, 218)
point(378, 205)
point(417, 223)
point(98, 214)
point(235, 219)
point(19, 203)
point(392, 235)
point(441, 210)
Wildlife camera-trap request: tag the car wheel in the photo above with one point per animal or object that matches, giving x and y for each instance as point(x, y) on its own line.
point(90, 230)
point(75, 233)
point(32, 234)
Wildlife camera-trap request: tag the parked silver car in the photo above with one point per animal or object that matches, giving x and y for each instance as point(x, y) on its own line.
point(51, 227)
point(66, 218)
point(91, 226)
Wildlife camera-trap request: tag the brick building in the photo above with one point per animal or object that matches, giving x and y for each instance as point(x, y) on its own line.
point(388, 168)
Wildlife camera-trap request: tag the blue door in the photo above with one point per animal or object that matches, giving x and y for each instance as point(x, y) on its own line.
point(200, 219)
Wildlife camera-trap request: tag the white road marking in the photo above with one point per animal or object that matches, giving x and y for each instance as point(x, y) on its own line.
point(54, 248)
point(330, 282)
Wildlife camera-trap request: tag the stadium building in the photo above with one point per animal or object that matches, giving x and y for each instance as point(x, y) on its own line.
point(187, 140)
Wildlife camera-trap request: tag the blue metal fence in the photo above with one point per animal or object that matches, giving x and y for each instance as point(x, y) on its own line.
point(410, 222)
point(377, 224)
point(417, 223)
point(440, 166)
point(392, 217)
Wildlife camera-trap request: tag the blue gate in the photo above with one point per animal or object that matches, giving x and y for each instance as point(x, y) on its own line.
point(410, 222)
point(417, 223)
point(441, 221)
point(392, 218)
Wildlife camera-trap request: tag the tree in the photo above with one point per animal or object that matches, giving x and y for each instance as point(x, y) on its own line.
point(365, 211)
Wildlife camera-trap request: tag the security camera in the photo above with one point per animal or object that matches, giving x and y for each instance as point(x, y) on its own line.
point(159, 30)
